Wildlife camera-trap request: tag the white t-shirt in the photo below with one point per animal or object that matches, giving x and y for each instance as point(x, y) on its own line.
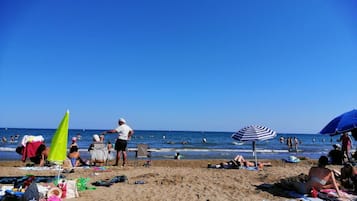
point(123, 131)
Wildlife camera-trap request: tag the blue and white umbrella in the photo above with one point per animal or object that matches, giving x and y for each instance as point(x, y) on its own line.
point(254, 133)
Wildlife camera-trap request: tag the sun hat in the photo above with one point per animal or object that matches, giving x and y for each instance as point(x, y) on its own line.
point(122, 120)
point(55, 191)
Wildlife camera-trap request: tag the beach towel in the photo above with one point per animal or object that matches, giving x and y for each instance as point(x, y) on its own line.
point(331, 195)
point(302, 197)
point(30, 150)
point(109, 182)
point(249, 168)
point(31, 138)
point(19, 180)
point(56, 168)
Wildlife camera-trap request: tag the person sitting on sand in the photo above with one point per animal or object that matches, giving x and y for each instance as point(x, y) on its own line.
point(319, 178)
point(74, 142)
point(74, 156)
point(41, 155)
point(349, 177)
point(336, 155)
point(98, 151)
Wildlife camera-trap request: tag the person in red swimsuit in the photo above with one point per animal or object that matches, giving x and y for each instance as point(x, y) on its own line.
point(346, 145)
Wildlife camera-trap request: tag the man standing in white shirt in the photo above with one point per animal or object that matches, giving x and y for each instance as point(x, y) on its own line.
point(124, 134)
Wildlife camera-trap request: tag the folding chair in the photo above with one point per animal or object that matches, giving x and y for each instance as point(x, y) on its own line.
point(143, 152)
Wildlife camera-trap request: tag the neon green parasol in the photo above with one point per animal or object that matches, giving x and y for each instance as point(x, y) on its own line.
point(58, 149)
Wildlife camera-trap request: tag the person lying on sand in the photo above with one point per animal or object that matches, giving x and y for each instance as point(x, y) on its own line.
point(239, 162)
point(240, 159)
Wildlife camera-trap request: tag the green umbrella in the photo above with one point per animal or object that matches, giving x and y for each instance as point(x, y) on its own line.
point(58, 149)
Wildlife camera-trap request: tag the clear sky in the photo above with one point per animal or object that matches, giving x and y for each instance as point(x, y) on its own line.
point(178, 65)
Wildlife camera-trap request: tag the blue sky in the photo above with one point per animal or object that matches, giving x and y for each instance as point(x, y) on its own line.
point(178, 65)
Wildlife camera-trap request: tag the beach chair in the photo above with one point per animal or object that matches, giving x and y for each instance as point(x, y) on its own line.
point(99, 154)
point(143, 152)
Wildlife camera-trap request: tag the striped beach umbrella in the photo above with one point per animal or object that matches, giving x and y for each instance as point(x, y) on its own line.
point(254, 133)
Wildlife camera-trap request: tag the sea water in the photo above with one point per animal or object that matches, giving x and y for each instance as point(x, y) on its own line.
point(190, 144)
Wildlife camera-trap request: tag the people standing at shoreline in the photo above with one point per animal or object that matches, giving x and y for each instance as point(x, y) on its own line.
point(289, 142)
point(296, 143)
point(281, 139)
point(124, 134)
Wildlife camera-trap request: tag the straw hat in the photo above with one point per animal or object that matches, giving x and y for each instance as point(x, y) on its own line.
point(55, 191)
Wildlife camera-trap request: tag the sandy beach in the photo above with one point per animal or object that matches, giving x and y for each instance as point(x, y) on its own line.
point(177, 180)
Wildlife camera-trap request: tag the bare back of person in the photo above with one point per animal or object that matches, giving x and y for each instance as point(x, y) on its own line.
point(320, 178)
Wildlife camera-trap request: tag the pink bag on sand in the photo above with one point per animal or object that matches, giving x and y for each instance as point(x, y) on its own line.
point(54, 198)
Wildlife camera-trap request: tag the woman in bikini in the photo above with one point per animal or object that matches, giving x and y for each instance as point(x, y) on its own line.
point(319, 178)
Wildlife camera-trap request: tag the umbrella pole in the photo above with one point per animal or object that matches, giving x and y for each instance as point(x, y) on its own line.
point(255, 154)
point(59, 173)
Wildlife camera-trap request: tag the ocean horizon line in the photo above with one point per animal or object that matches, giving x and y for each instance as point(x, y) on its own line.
point(154, 130)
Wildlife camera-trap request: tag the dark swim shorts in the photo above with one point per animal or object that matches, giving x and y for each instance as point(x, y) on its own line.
point(120, 145)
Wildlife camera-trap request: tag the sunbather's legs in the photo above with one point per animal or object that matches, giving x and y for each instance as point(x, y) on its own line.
point(239, 158)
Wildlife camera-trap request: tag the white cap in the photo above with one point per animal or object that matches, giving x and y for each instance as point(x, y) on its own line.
point(122, 120)
point(96, 138)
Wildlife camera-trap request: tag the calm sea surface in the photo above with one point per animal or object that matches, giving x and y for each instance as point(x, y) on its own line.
point(219, 145)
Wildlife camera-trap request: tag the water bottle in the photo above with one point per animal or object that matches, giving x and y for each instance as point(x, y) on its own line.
point(140, 182)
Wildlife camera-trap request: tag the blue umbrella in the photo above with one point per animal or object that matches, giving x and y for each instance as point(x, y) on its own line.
point(344, 123)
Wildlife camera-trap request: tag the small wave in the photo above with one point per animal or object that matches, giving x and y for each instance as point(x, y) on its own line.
point(213, 150)
point(7, 149)
point(184, 149)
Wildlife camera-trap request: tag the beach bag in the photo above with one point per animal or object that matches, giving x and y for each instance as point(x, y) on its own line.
point(54, 194)
point(72, 191)
point(31, 193)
